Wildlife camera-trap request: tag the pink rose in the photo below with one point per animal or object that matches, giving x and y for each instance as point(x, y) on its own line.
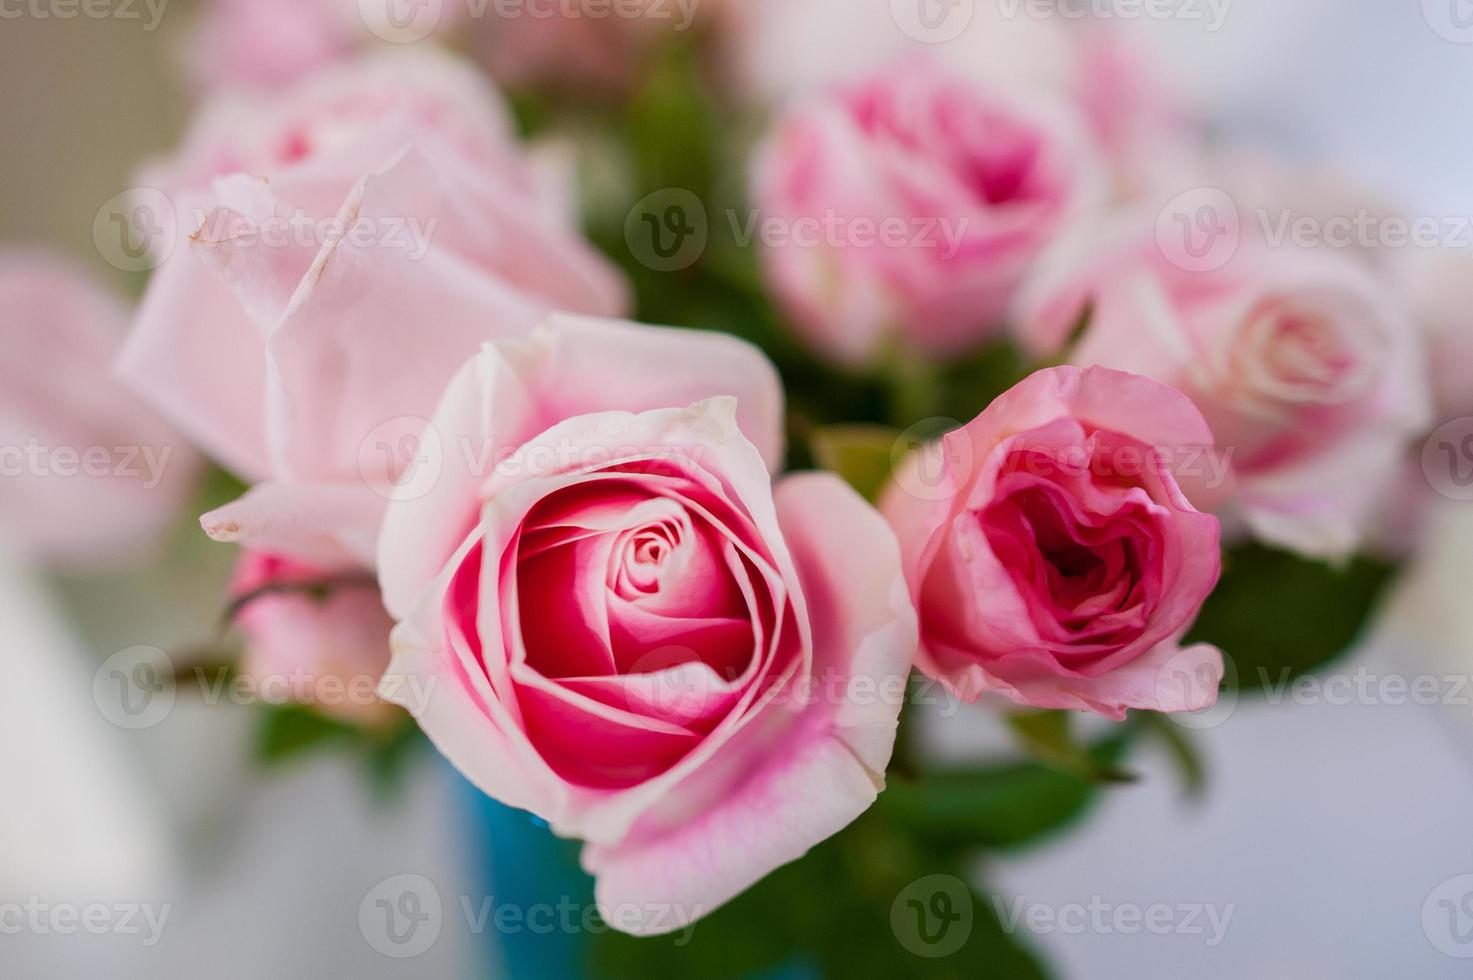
point(1054, 551)
point(87, 473)
point(559, 45)
point(314, 635)
point(269, 43)
point(361, 235)
point(912, 205)
point(628, 632)
point(1309, 373)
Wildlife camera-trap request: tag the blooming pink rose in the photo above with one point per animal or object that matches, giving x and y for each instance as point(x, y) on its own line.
point(1309, 373)
point(87, 473)
point(628, 632)
point(1054, 551)
point(361, 235)
point(912, 205)
point(317, 636)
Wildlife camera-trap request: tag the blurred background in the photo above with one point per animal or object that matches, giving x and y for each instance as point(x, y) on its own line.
point(1327, 829)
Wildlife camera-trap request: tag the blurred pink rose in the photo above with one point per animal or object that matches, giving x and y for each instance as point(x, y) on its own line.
point(314, 635)
point(628, 632)
point(87, 473)
point(1054, 549)
point(358, 238)
point(269, 43)
point(598, 49)
point(911, 206)
point(1309, 373)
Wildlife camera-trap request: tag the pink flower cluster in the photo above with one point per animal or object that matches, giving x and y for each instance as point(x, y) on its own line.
point(588, 575)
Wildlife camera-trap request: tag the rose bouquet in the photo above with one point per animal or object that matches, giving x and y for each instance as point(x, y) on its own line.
point(672, 422)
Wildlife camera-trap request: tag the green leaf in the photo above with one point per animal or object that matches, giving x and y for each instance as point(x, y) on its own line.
point(288, 731)
point(861, 454)
point(1048, 737)
point(1278, 615)
point(999, 807)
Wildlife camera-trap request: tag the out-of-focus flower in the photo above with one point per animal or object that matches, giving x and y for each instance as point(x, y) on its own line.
point(1310, 374)
point(87, 473)
point(1055, 551)
point(911, 206)
point(357, 239)
point(566, 47)
point(629, 633)
point(266, 44)
point(314, 635)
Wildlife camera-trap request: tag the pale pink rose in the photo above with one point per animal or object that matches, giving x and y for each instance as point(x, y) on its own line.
point(361, 236)
point(1309, 372)
point(627, 630)
point(314, 635)
point(910, 207)
point(269, 43)
point(87, 473)
point(1438, 285)
point(1055, 551)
